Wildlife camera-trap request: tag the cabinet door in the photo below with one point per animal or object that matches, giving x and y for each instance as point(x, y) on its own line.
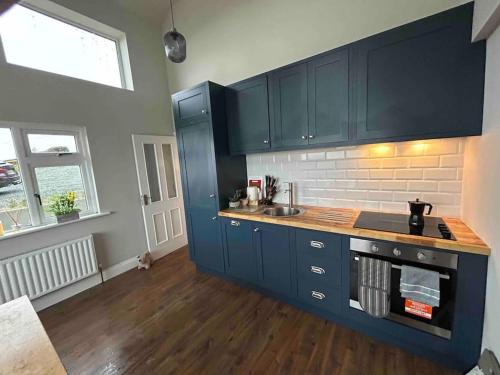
point(247, 110)
point(328, 98)
point(288, 106)
point(421, 80)
point(200, 200)
point(190, 107)
point(241, 257)
point(273, 245)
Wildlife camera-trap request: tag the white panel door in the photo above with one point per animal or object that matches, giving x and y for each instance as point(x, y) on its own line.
point(157, 164)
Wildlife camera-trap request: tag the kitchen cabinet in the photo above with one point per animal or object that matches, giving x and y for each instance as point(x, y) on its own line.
point(272, 243)
point(421, 80)
point(288, 107)
point(328, 98)
point(248, 116)
point(208, 173)
point(241, 256)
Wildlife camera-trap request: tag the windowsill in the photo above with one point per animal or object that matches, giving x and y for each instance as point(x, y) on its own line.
point(40, 228)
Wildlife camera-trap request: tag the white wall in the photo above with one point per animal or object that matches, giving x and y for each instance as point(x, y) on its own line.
point(111, 116)
point(486, 18)
point(228, 40)
point(481, 194)
point(374, 177)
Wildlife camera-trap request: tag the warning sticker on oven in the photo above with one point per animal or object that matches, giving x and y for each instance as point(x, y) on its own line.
point(418, 308)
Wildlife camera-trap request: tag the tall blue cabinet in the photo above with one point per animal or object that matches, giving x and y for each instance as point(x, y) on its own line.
point(209, 174)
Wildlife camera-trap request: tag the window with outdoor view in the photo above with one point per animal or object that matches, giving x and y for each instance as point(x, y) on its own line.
point(58, 40)
point(45, 175)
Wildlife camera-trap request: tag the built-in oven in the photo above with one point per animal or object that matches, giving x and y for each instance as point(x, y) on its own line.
point(441, 320)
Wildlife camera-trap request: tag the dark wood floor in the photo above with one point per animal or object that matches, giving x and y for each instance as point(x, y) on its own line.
point(174, 320)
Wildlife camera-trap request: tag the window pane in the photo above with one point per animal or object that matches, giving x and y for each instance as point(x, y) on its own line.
point(152, 172)
point(169, 170)
point(54, 181)
point(13, 207)
point(37, 41)
point(51, 143)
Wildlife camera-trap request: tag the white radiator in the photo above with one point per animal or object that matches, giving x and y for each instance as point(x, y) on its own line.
point(43, 271)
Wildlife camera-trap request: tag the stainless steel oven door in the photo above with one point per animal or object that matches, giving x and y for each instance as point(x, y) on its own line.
point(445, 263)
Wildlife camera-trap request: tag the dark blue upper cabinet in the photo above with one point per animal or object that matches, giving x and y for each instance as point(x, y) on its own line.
point(190, 107)
point(328, 98)
point(288, 107)
point(272, 243)
point(208, 173)
point(421, 80)
point(247, 110)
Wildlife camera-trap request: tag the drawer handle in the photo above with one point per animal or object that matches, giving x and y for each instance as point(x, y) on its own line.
point(256, 230)
point(235, 223)
point(318, 270)
point(317, 244)
point(317, 295)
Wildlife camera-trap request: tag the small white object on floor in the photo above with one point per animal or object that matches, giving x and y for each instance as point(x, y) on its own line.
point(145, 261)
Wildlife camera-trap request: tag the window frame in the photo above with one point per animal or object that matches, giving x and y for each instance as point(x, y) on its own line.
point(28, 162)
point(70, 17)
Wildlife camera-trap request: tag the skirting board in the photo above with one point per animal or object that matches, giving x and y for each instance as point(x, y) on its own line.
point(74, 289)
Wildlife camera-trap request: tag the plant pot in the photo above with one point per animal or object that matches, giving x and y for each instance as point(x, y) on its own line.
point(68, 217)
point(244, 202)
point(234, 204)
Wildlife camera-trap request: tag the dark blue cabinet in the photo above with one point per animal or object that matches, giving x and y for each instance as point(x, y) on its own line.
point(241, 256)
point(272, 243)
point(328, 98)
point(288, 107)
point(209, 174)
point(190, 107)
point(421, 80)
point(247, 110)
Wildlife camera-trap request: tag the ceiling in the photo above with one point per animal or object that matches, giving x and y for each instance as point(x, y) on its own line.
point(151, 10)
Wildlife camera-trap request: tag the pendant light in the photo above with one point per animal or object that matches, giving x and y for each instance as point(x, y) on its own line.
point(175, 43)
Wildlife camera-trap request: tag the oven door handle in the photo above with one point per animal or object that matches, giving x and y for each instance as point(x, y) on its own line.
point(441, 275)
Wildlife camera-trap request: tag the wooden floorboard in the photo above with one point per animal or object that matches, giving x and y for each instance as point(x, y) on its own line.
point(175, 320)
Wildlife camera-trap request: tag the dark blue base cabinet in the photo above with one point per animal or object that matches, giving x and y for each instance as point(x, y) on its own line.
point(311, 270)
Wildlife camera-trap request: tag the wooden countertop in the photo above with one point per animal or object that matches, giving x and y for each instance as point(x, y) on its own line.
point(25, 346)
point(341, 220)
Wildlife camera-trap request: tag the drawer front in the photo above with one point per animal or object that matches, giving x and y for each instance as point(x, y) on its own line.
point(323, 269)
point(319, 295)
point(318, 244)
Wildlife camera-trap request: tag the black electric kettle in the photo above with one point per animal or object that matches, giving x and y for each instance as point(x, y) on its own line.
point(417, 209)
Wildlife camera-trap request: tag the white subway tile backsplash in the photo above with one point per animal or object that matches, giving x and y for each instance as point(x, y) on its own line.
point(374, 177)
point(425, 162)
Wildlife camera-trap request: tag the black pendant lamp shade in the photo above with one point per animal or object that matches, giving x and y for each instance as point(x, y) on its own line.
point(175, 43)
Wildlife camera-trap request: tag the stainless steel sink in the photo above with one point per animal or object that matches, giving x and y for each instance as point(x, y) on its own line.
point(283, 211)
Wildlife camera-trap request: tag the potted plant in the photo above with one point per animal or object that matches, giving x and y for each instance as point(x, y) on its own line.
point(63, 206)
point(234, 200)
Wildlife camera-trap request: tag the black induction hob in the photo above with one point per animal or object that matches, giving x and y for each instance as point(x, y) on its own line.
point(434, 226)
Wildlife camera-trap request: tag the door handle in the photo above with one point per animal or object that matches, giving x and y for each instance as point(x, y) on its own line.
point(317, 295)
point(318, 270)
point(214, 218)
point(235, 223)
point(317, 244)
point(212, 195)
point(256, 230)
point(304, 137)
point(145, 199)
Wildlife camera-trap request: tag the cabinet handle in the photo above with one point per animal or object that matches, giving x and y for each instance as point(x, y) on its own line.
point(318, 270)
point(256, 230)
point(317, 295)
point(204, 111)
point(212, 195)
point(311, 136)
point(304, 137)
point(214, 218)
point(317, 244)
point(266, 141)
point(235, 223)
